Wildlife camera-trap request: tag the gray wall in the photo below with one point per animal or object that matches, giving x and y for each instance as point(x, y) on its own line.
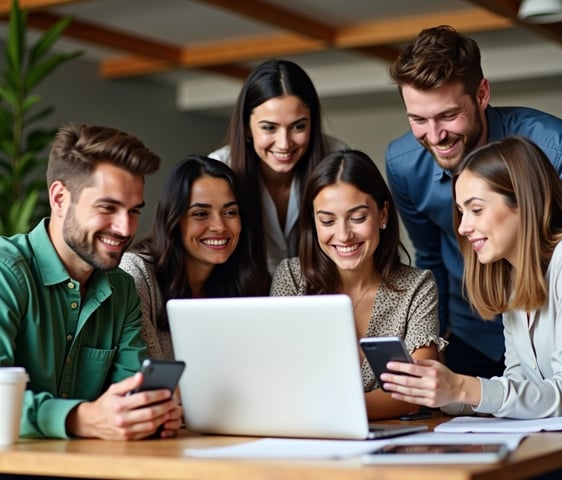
point(138, 106)
point(147, 109)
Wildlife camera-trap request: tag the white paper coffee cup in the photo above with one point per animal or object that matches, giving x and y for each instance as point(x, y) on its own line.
point(12, 387)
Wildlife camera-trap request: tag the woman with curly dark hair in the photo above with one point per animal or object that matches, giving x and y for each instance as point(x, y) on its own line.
point(199, 246)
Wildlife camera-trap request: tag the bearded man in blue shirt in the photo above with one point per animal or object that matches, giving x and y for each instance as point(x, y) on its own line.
point(446, 96)
point(67, 313)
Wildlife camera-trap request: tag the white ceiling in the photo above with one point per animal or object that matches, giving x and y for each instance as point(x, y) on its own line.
point(211, 37)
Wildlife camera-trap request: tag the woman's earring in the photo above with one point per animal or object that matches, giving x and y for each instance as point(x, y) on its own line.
point(383, 226)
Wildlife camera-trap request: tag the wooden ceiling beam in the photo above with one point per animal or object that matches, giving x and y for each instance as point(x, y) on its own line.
point(506, 8)
point(388, 31)
point(119, 40)
point(368, 34)
point(6, 5)
point(509, 9)
point(280, 17)
point(219, 53)
point(386, 53)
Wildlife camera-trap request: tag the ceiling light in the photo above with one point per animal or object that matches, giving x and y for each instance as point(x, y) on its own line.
point(540, 11)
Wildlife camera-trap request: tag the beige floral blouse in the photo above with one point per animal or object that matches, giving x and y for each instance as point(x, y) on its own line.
point(409, 311)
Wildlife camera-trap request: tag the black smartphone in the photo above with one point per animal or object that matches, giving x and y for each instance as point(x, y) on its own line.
point(381, 350)
point(416, 416)
point(160, 374)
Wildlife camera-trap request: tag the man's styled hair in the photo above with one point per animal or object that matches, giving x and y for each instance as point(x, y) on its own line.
point(77, 149)
point(437, 57)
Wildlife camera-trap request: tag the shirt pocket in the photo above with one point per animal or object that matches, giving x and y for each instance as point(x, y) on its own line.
point(93, 372)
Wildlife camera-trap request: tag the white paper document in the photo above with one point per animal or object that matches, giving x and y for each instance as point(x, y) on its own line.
point(505, 425)
point(282, 448)
point(286, 448)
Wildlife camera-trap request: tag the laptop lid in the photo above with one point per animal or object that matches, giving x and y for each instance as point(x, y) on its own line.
point(270, 366)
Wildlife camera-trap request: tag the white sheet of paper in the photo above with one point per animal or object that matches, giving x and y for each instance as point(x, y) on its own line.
point(289, 448)
point(500, 425)
point(284, 448)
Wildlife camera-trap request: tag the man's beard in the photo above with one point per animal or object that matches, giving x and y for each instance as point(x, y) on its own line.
point(77, 239)
point(469, 140)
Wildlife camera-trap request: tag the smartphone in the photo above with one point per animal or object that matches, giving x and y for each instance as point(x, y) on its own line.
point(438, 453)
point(160, 374)
point(421, 415)
point(380, 350)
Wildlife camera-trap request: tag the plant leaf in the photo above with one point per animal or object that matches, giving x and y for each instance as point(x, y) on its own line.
point(44, 44)
point(16, 35)
point(28, 102)
point(41, 70)
point(40, 115)
point(21, 211)
point(9, 96)
point(39, 139)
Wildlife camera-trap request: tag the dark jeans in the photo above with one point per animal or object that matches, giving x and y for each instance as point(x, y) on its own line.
point(462, 358)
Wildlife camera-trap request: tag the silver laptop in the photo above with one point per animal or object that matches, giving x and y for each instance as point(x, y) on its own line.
point(272, 366)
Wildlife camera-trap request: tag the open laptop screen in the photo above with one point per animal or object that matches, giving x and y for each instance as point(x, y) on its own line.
point(270, 366)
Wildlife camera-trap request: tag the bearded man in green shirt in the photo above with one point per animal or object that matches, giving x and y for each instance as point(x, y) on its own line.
point(67, 313)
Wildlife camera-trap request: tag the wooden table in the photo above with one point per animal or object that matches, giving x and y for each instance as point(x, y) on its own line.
point(163, 459)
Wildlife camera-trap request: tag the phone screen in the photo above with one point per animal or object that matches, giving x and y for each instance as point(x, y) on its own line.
point(160, 374)
point(381, 350)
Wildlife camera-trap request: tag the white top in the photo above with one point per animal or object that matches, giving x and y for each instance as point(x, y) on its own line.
point(531, 386)
point(280, 242)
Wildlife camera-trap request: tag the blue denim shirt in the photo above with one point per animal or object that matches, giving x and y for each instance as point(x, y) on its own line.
point(73, 348)
point(423, 195)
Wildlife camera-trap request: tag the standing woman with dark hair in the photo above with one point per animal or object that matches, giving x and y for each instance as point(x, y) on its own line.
point(274, 142)
point(509, 223)
point(349, 243)
point(199, 246)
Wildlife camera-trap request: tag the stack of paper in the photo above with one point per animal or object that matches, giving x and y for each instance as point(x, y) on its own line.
point(286, 448)
point(499, 425)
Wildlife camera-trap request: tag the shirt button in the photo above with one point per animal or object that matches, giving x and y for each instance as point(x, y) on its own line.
point(74, 305)
point(70, 285)
point(69, 338)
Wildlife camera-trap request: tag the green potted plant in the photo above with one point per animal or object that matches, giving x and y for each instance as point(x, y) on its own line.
point(23, 142)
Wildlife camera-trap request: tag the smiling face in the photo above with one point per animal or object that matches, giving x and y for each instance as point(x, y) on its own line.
point(488, 223)
point(280, 131)
point(348, 224)
point(100, 224)
point(447, 121)
point(210, 228)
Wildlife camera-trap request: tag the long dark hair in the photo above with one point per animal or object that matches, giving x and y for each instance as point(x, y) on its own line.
point(240, 275)
point(356, 168)
point(271, 79)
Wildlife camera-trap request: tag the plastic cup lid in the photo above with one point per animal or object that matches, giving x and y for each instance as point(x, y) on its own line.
point(13, 374)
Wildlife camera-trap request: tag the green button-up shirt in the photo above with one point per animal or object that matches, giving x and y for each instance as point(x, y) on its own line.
point(73, 348)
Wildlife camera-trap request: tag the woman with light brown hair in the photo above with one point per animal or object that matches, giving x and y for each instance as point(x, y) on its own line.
point(509, 224)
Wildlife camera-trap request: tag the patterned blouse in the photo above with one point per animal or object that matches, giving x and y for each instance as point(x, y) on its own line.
point(140, 267)
point(410, 311)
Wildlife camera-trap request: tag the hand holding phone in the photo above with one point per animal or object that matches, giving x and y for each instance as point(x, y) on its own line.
point(381, 350)
point(160, 374)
